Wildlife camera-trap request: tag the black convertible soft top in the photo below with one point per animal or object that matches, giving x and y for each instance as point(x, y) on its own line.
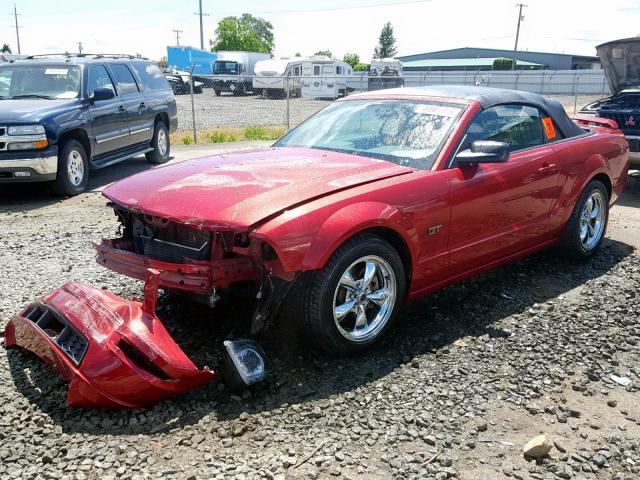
point(490, 97)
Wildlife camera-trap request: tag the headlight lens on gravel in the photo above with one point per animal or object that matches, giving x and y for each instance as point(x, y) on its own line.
point(245, 363)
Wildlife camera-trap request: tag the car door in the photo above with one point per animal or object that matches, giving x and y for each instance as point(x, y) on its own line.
point(108, 118)
point(500, 209)
point(134, 104)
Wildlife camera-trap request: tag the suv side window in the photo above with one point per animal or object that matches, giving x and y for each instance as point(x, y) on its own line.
point(124, 79)
point(98, 78)
point(151, 76)
point(518, 125)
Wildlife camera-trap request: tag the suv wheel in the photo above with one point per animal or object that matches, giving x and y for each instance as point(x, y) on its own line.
point(350, 303)
point(587, 225)
point(161, 145)
point(73, 169)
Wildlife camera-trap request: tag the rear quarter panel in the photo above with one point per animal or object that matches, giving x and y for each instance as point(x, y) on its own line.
point(581, 159)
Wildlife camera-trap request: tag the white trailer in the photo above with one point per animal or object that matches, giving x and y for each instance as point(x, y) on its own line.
point(271, 77)
point(323, 77)
point(232, 71)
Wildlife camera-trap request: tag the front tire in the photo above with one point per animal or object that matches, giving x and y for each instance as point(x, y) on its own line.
point(587, 225)
point(351, 303)
point(73, 169)
point(161, 145)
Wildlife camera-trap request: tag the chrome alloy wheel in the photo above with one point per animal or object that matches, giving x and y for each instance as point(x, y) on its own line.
point(364, 299)
point(162, 142)
point(75, 168)
point(592, 220)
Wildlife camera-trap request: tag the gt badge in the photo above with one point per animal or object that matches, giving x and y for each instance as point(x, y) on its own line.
point(433, 230)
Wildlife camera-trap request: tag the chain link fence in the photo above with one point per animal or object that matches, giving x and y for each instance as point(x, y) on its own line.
point(223, 109)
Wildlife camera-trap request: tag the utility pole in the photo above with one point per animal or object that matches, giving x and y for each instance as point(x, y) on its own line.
point(515, 48)
point(15, 14)
point(79, 47)
point(201, 29)
point(177, 32)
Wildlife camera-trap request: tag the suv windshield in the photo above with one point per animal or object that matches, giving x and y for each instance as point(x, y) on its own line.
point(40, 81)
point(409, 133)
point(225, 68)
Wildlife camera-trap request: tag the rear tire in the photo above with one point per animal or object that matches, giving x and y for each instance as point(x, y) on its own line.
point(73, 169)
point(161, 145)
point(343, 312)
point(583, 234)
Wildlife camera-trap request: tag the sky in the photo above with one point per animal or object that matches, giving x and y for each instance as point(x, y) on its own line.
point(305, 26)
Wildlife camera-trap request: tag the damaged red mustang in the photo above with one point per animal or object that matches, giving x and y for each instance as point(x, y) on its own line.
point(378, 198)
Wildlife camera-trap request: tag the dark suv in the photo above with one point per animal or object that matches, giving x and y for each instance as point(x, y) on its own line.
point(61, 117)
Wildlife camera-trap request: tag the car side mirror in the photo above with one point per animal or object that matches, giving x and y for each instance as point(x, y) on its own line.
point(102, 93)
point(484, 151)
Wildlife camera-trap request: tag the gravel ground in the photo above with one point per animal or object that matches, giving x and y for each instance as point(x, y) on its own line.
point(230, 111)
point(466, 379)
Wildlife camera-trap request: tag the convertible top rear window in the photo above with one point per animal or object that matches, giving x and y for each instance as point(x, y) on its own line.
point(408, 133)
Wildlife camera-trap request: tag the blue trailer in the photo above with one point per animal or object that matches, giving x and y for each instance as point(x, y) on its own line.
point(183, 58)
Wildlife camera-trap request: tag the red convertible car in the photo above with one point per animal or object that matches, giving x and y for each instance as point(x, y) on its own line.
point(378, 198)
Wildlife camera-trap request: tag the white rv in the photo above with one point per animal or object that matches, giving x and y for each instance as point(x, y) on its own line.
point(232, 71)
point(271, 77)
point(323, 77)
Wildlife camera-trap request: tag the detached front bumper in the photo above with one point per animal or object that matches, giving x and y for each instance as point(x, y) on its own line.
point(114, 353)
point(29, 166)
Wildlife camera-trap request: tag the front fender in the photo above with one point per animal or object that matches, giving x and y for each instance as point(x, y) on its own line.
point(349, 221)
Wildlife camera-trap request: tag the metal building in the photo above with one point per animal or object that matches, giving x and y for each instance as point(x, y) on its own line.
point(552, 61)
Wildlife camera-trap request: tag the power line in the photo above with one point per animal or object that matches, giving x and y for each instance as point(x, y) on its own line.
point(15, 15)
point(201, 29)
point(331, 9)
point(178, 32)
point(515, 47)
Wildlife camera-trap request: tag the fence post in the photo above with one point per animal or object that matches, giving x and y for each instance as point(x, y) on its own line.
point(575, 93)
point(287, 92)
point(193, 107)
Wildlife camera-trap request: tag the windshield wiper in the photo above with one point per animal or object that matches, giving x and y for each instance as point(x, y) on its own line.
point(32, 95)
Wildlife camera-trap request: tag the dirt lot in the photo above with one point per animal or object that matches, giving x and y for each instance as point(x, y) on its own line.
point(468, 377)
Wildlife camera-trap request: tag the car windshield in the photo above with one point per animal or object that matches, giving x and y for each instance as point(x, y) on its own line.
point(225, 68)
point(408, 133)
point(40, 81)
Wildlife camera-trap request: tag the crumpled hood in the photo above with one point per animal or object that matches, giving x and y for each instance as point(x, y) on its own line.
point(620, 60)
point(241, 189)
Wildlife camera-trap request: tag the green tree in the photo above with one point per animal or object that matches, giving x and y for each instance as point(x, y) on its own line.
point(503, 64)
point(5, 48)
point(352, 59)
point(298, 54)
point(386, 43)
point(245, 33)
point(323, 53)
point(361, 67)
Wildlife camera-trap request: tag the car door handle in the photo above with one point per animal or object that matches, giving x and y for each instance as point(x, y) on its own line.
point(548, 167)
point(121, 108)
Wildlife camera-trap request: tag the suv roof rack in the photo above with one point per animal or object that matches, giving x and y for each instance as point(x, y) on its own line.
point(86, 55)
